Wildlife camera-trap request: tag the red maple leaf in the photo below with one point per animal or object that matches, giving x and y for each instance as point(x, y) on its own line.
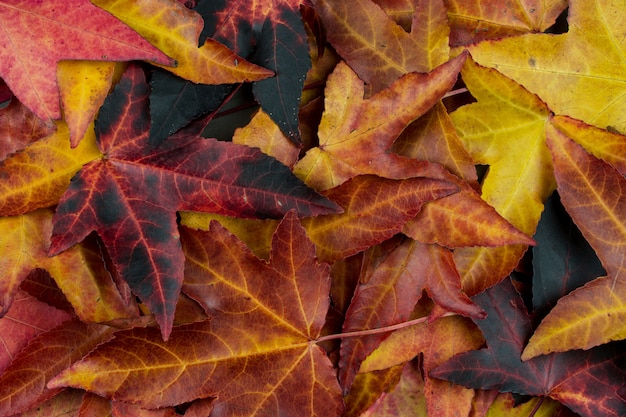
point(131, 195)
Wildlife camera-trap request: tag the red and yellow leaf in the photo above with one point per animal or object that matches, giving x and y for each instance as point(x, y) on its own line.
point(175, 30)
point(275, 309)
point(356, 134)
point(77, 30)
point(19, 127)
point(375, 209)
point(130, 196)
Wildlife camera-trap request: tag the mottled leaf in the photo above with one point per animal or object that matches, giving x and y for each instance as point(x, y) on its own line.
point(561, 376)
point(130, 196)
point(269, 33)
point(275, 310)
point(76, 30)
point(580, 73)
point(375, 209)
point(356, 133)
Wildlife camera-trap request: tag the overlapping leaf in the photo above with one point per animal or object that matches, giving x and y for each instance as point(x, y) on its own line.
point(73, 31)
point(23, 383)
point(579, 73)
point(24, 242)
point(38, 176)
point(269, 33)
point(387, 295)
point(175, 30)
point(562, 376)
point(19, 127)
point(253, 354)
point(356, 133)
point(594, 194)
point(131, 195)
point(505, 129)
point(375, 209)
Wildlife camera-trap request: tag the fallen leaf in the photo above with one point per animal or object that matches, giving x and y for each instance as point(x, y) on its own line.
point(38, 176)
point(356, 133)
point(389, 294)
point(562, 259)
point(27, 318)
point(504, 129)
point(275, 38)
point(579, 73)
point(175, 30)
point(73, 31)
point(19, 127)
point(367, 389)
point(379, 50)
point(67, 403)
point(375, 209)
point(593, 193)
point(130, 196)
point(476, 20)
point(23, 383)
point(84, 85)
point(560, 376)
point(253, 372)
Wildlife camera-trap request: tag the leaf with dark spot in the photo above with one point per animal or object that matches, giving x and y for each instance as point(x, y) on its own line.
point(131, 195)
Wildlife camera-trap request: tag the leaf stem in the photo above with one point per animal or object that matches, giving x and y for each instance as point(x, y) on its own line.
point(537, 406)
point(455, 92)
point(378, 330)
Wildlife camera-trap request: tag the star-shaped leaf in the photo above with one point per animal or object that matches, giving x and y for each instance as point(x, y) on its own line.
point(580, 73)
point(76, 30)
point(131, 195)
point(254, 353)
point(561, 376)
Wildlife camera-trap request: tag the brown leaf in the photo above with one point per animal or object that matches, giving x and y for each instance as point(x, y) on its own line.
point(19, 127)
point(375, 209)
point(79, 30)
point(253, 353)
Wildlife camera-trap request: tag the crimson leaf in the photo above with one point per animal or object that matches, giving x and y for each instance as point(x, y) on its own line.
point(130, 196)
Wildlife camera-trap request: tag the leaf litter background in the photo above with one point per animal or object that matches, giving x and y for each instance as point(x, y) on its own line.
point(421, 212)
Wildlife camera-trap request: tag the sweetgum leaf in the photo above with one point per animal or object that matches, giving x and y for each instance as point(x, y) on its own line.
point(23, 383)
point(77, 30)
point(594, 194)
point(174, 102)
point(253, 354)
point(562, 376)
point(131, 195)
point(269, 33)
point(585, 65)
point(19, 127)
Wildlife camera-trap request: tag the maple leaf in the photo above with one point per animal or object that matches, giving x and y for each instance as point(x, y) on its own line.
point(388, 294)
point(130, 196)
point(370, 125)
point(23, 383)
point(579, 73)
point(505, 129)
point(27, 318)
point(253, 353)
point(594, 194)
point(38, 176)
point(375, 209)
point(28, 59)
point(561, 376)
point(269, 33)
point(19, 127)
point(175, 30)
